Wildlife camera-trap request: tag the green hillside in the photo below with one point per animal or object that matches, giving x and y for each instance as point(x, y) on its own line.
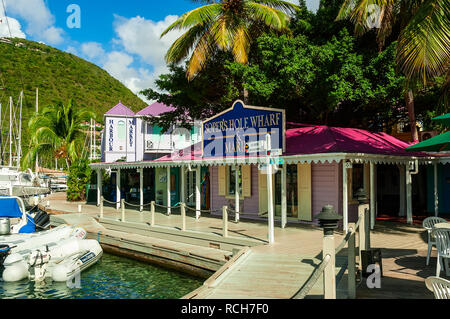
point(27, 65)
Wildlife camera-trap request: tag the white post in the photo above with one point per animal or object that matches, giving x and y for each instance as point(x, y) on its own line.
point(183, 216)
point(183, 191)
point(118, 189)
point(99, 186)
point(141, 189)
point(329, 273)
point(168, 192)
point(152, 213)
point(344, 196)
point(198, 206)
point(436, 192)
point(409, 217)
point(402, 169)
point(372, 195)
point(269, 193)
point(122, 201)
point(101, 207)
point(79, 208)
point(351, 284)
point(283, 196)
point(225, 221)
point(236, 193)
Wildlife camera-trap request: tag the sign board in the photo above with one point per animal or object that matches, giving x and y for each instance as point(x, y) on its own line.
point(242, 130)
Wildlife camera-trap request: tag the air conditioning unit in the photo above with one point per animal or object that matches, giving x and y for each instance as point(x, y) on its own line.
point(425, 135)
point(148, 145)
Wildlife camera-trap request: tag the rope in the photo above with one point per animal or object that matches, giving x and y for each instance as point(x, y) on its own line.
point(202, 210)
point(176, 205)
point(137, 205)
point(235, 212)
point(312, 279)
point(114, 203)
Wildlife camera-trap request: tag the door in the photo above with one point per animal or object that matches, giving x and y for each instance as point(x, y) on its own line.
point(304, 192)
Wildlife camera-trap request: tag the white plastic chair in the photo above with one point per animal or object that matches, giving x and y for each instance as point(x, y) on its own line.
point(428, 224)
point(442, 236)
point(440, 287)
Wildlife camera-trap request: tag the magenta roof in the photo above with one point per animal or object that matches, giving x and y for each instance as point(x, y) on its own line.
point(156, 109)
point(120, 109)
point(319, 139)
point(313, 139)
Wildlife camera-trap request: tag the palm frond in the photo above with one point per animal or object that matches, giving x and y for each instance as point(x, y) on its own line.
point(241, 45)
point(273, 18)
point(424, 45)
point(200, 55)
point(183, 45)
point(200, 16)
point(284, 6)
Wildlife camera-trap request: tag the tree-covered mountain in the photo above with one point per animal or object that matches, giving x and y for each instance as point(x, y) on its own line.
point(60, 76)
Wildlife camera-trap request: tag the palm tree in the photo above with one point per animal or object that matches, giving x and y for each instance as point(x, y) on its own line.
point(227, 25)
point(57, 131)
point(423, 48)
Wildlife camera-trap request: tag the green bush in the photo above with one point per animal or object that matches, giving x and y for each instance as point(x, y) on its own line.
point(79, 176)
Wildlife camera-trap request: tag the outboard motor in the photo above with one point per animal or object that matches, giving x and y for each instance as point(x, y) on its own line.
point(5, 226)
point(4, 252)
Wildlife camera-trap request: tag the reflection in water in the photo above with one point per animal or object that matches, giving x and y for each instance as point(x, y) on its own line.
point(112, 278)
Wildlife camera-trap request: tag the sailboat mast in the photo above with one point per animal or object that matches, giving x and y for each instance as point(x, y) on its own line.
point(37, 111)
point(10, 131)
point(1, 137)
point(19, 151)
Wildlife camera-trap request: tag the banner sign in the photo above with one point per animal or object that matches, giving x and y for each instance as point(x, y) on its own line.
point(242, 130)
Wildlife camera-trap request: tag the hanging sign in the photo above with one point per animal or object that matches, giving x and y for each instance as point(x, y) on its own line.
point(242, 130)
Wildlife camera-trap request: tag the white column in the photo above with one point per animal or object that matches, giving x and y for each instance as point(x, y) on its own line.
point(402, 211)
point(198, 205)
point(236, 192)
point(99, 186)
point(118, 189)
point(168, 192)
point(270, 193)
point(344, 196)
point(372, 195)
point(409, 217)
point(141, 189)
point(436, 192)
point(283, 196)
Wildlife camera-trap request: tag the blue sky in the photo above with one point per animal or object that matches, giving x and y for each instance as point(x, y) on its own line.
point(122, 37)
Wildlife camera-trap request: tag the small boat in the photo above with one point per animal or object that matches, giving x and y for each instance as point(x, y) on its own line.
point(15, 249)
point(14, 219)
point(65, 261)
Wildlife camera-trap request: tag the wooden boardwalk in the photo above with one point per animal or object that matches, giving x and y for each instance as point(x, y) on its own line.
point(270, 271)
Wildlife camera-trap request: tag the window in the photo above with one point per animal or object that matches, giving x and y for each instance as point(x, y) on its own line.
point(357, 178)
point(231, 180)
point(121, 130)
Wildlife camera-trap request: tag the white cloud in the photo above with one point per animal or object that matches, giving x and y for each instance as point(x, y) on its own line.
point(138, 42)
point(92, 50)
point(38, 18)
point(14, 27)
point(71, 49)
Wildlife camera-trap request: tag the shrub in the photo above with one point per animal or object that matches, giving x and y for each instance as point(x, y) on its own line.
point(79, 176)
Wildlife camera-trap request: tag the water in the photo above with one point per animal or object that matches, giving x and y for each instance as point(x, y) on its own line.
point(112, 277)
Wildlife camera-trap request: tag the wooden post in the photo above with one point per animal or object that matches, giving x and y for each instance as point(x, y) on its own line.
point(372, 195)
point(169, 200)
point(183, 216)
point(283, 196)
point(345, 195)
point(436, 192)
point(183, 190)
point(122, 201)
point(99, 187)
point(402, 169)
point(118, 189)
point(198, 205)
point(329, 273)
point(152, 213)
point(409, 217)
point(270, 194)
point(225, 221)
point(236, 193)
point(364, 230)
point(351, 284)
point(79, 208)
point(141, 190)
point(101, 206)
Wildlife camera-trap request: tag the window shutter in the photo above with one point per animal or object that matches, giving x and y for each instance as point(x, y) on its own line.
point(262, 188)
point(304, 192)
point(222, 180)
point(246, 180)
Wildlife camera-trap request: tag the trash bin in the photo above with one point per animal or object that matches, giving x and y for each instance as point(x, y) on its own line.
point(370, 257)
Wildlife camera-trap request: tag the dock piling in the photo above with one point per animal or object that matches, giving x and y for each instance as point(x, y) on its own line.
point(101, 206)
point(183, 216)
point(152, 213)
point(122, 204)
point(225, 221)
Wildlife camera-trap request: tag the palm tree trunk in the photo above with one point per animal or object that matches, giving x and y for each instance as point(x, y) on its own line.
point(245, 96)
point(409, 99)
